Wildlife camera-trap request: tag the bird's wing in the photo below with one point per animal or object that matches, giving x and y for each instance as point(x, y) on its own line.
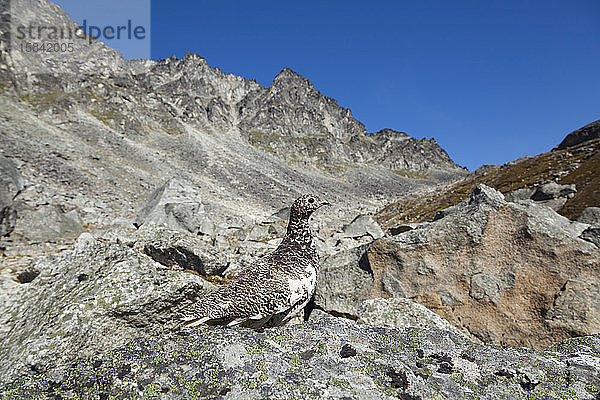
point(254, 293)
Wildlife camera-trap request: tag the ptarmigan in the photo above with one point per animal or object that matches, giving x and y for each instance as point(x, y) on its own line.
point(273, 289)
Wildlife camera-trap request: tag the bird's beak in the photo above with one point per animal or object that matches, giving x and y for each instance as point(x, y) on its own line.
point(325, 203)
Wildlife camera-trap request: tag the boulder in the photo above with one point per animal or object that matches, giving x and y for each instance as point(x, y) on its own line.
point(398, 312)
point(92, 298)
point(508, 273)
point(552, 190)
point(590, 215)
point(363, 225)
point(177, 205)
point(333, 358)
point(592, 235)
point(11, 183)
point(182, 250)
point(344, 280)
point(520, 195)
point(362, 230)
point(48, 223)
point(551, 194)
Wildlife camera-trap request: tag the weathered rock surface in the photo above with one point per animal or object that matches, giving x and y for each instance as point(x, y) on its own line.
point(175, 249)
point(592, 235)
point(332, 358)
point(87, 300)
point(11, 183)
point(398, 312)
point(509, 273)
point(363, 225)
point(553, 194)
point(48, 223)
point(552, 190)
point(591, 216)
point(520, 195)
point(344, 280)
point(177, 205)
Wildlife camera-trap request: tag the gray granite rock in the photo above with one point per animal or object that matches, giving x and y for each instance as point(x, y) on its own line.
point(592, 234)
point(520, 195)
point(177, 205)
point(363, 225)
point(177, 249)
point(474, 211)
point(344, 281)
point(590, 215)
point(550, 194)
point(11, 183)
point(48, 223)
point(553, 190)
point(331, 358)
point(398, 312)
point(87, 300)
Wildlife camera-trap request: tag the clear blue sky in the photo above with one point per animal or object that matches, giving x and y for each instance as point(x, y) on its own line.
point(96, 16)
point(492, 81)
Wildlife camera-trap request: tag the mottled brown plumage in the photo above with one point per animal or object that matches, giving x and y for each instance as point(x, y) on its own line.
point(273, 289)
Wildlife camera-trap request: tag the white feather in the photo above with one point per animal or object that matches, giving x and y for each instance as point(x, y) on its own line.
point(300, 288)
point(196, 322)
point(236, 321)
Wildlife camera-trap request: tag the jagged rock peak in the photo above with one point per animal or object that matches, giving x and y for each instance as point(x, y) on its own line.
point(189, 58)
point(288, 75)
point(193, 56)
point(296, 87)
point(390, 132)
point(189, 61)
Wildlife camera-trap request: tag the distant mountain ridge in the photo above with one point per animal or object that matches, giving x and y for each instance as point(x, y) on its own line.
point(140, 122)
point(290, 118)
point(576, 161)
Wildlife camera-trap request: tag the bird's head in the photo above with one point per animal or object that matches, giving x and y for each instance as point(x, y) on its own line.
point(305, 205)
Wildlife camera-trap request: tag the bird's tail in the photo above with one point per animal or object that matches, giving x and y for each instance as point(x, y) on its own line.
point(194, 314)
point(191, 322)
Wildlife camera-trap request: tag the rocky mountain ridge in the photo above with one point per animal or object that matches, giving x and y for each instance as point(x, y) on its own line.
point(96, 119)
point(574, 167)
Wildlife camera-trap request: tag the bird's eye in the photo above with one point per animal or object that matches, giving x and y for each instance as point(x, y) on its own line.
point(311, 200)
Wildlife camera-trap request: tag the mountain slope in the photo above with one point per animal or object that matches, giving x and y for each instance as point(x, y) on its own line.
point(96, 133)
point(578, 164)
